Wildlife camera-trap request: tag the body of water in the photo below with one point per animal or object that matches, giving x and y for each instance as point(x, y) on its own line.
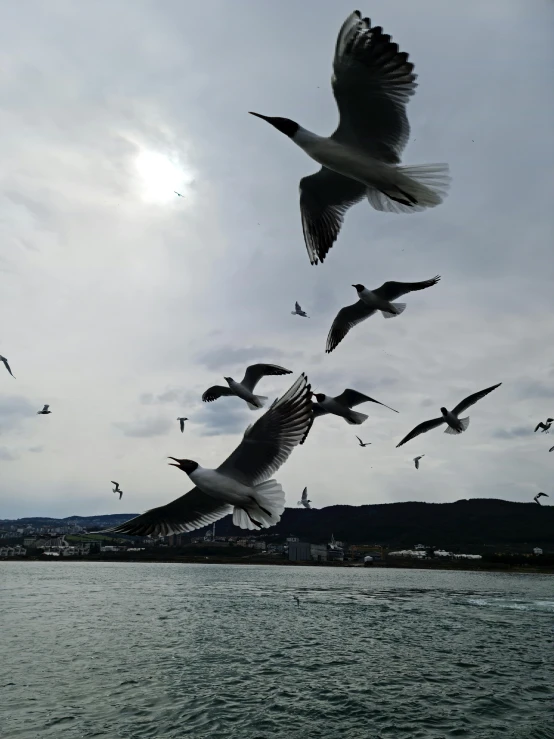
point(165, 651)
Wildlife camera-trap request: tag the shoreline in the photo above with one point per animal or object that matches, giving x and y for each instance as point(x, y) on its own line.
point(405, 565)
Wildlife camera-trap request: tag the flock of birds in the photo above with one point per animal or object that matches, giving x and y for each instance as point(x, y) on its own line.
point(372, 82)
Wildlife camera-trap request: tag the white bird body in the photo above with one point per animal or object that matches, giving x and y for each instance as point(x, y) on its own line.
point(254, 401)
point(377, 303)
point(304, 500)
point(221, 487)
point(339, 409)
point(456, 424)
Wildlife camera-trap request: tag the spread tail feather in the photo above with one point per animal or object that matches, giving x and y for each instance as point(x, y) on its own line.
point(265, 508)
point(412, 188)
point(355, 418)
point(464, 422)
point(400, 308)
point(260, 399)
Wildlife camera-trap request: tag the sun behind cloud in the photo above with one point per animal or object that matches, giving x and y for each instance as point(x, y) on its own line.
point(161, 176)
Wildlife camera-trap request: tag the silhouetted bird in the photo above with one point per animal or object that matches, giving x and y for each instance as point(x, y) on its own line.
point(44, 411)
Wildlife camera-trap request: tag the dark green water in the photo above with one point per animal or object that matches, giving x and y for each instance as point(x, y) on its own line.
point(128, 651)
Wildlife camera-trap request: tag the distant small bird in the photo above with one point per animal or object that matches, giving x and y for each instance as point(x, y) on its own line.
point(298, 311)
point(182, 423)
point(455, 425)
point(245, 389)
point(304, 501)
point(539, 495)
point(7, 366)
point(178, 194)
point(416, 460)
point(297, 599)
point(342, 406)
point(116, 489)
point(367, 443)
point(545, 427)
point(551, 449)
point(44, 411)
point(241, 485)
point(372, 84)
point(370, 301)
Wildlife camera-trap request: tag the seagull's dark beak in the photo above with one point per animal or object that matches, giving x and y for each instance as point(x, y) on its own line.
point(176, 460)
point(263, 117)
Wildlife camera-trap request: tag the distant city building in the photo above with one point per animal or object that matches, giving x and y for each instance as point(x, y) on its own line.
point(361, 550)
point(318, 552)
point(299, 551)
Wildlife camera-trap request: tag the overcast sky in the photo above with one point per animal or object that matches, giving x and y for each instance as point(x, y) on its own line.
point(120, 303)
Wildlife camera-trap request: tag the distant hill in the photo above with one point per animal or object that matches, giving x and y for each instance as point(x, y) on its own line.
point(466, 524)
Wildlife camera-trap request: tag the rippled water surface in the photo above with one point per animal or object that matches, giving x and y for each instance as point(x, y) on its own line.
point(127, 651)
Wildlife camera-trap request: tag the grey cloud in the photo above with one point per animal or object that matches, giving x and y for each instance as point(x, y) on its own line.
point(13, 409)
point(530, 388)
point(220, 358)
point(175, 395)
point(513, 433)
point(158, 426)
point(225, 416)
point(36, 449)
point(7, 455)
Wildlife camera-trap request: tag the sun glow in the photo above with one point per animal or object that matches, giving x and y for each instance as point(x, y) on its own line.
point(161, 177)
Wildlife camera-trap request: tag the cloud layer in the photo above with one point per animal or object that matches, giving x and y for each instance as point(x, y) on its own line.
point(121, 302)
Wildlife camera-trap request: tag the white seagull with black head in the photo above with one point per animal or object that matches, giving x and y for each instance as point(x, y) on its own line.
point(245, 388)
point(416, 460)
point(539, 495)
point(241, 484)
point(6, 365)
point(454, 425)
point(182, 420)
point(298, 311)
point(44, 411)
point(370, 301)
point(367, 443)
point(304, 500)
point(372, 83)
point(342, 405)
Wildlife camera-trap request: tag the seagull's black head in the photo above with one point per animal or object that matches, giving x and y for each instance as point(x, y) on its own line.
point(187, 465)
point(444, 411)
point(359, 287)
point(549, 420)
point(285, 125)
point(228, 380)
point(320, 397)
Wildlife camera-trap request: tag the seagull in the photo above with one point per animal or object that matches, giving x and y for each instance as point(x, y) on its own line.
point(245, 389)
point(298, 311)
point(241, 484)
point(297, 599)
point(178, 194)
point(367, 443)
point(44, 411)
point(551, 449)
point(372, 82)
point(304, 501)
point(545, 427)
point(455, 425)
point(539, 495)
point(342, 406)
point(416, 460)
point(7, 366)
point(182, 423)
point(117, 489)
point(370, 301)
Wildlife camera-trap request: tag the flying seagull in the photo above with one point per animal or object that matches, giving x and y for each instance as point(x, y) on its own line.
point(551, 449)
point(416, 460)
point(245, 389)
point(367, 443)
point(7, 366)
point(178, 194)
point(370, 301)
point(44, 411)
point(304, 500)
point(539, 495)
point(372, 82)
point(182, 423)
point(545, 427)
point(342, 406)
point(117, 489)
point(298, 311)
point(241, 484)
point(455, 425)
